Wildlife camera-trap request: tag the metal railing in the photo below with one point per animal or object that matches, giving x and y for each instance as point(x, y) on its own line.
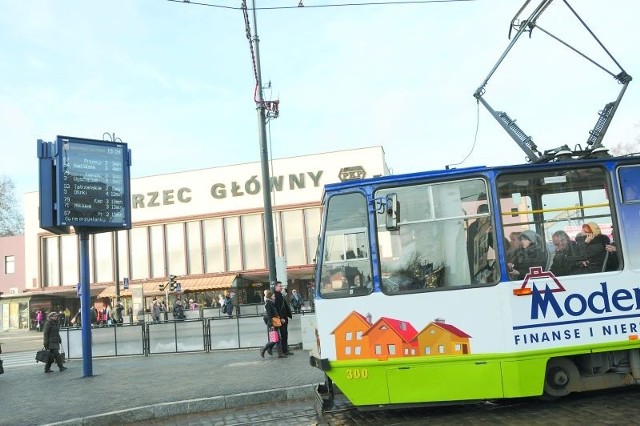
point(199, 334)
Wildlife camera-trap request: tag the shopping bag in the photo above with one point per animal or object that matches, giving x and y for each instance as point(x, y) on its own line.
point(274, 336)
point(43, 355)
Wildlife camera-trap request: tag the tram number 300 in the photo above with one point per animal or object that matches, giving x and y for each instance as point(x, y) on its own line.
point(357, 373)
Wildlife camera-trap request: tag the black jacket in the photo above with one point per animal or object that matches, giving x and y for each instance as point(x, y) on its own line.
point(51, 335)
point(565, 262)
point(284, 311)
point(526, 258)
point(593, 253)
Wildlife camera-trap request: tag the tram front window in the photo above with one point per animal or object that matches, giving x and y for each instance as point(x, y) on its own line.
point(346, 264)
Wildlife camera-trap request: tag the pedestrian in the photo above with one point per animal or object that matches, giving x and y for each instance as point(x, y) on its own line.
point(67, 316)
point(271, 316)
point(39, 319)
point(296, 301)
point(118, 313)
point(178, 310)
point(51, 341)
point(284, 312)
point(227, 305)
point(77, 319)
point(155, 311)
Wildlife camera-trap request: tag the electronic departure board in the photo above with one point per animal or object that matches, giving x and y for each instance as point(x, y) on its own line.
point(93, 183)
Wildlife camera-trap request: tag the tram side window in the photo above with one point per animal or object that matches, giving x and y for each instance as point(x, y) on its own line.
point(346, 264)
point(558, 220)
point(442, 238)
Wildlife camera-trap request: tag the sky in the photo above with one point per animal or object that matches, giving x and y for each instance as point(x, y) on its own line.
point(175, 81)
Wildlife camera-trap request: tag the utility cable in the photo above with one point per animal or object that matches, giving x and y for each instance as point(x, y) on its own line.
point(317, 6)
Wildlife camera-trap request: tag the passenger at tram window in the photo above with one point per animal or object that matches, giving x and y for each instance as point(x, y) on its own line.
point(513, 245)
point(592, 249)
point(566, 254)
point(613, 263)
point(479, 239)
point(529, 255)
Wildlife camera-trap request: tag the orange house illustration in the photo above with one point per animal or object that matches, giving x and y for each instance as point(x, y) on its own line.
point(392, 338)
point(350, 338)
point(439, 338)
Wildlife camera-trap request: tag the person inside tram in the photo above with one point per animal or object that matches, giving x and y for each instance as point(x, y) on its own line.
point(566, 254)
point(529, 255)
point(592, 249)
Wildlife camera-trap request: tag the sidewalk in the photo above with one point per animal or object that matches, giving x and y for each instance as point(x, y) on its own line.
point(127, 389)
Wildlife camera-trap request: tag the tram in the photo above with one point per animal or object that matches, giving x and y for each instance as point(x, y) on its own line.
point(480, 283)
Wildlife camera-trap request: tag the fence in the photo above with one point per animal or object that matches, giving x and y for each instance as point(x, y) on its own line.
point(173, 336)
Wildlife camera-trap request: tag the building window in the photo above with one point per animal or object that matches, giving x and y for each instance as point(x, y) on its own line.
point(391, 349)
point(139, 253)
point(194, 248)
point(157, 244)
point(253, 241)
point(377, 349)
point(312, 228)
point(358, 350)
point(214, 246)
point(457, 346)
point(348, 336)
point(232, 243)
point(176, 249)
point(293, 235)
point(70, 266)
point(347, 350)
point(427, 350)
point(441, 349)
point(358, 335)
point(9, 264)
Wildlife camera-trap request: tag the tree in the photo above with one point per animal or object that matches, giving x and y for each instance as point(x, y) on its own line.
point(11, 220)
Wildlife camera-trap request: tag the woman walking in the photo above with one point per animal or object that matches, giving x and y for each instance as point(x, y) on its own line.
point(271, 314)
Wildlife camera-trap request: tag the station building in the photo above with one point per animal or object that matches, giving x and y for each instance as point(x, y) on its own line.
point(203, 226)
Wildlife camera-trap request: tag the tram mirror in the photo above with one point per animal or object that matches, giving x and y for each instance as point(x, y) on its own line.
point(392, 216)
point(516, 197)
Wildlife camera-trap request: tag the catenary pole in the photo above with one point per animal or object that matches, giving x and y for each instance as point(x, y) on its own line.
point(264, 159)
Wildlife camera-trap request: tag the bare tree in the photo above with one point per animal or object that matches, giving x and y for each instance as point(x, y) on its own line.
point(11, 220)
point(626, 148)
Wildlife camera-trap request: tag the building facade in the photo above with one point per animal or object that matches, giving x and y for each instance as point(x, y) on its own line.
point(204, 226)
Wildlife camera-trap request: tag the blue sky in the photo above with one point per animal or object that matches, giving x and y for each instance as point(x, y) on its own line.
point(175, 81)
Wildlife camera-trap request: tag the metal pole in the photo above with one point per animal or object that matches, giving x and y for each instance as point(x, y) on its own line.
point(116, 266)
point(264, 161)
point(85, 301)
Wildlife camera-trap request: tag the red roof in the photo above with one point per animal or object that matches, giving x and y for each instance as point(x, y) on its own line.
point(451, 329)
point(402, 328)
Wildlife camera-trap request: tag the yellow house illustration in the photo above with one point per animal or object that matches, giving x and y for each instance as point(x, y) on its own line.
point(440, 338)
point(351, 342)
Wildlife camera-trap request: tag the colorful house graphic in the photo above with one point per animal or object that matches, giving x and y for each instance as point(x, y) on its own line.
point(390, 338)
point(439, 338)
point(357, 338)
point(351, 342)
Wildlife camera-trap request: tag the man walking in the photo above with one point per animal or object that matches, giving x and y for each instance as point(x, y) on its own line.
point(284, 312)
point(52, 342)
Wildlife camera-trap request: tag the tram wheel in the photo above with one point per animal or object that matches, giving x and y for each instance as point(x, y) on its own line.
point(562, 376)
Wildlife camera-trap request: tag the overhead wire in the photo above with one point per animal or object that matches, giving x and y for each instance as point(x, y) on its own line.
point(318, 6)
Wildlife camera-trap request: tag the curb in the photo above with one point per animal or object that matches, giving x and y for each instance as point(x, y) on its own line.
point(192, 406)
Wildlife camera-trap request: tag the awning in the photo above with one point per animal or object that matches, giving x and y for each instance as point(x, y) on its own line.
point(151, 288)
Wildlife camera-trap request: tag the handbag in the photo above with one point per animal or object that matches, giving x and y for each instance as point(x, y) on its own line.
point(274, 336)
point(275, 321)
point(43, 355)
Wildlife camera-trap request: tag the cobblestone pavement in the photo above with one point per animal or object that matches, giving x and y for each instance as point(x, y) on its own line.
point(612, 407)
